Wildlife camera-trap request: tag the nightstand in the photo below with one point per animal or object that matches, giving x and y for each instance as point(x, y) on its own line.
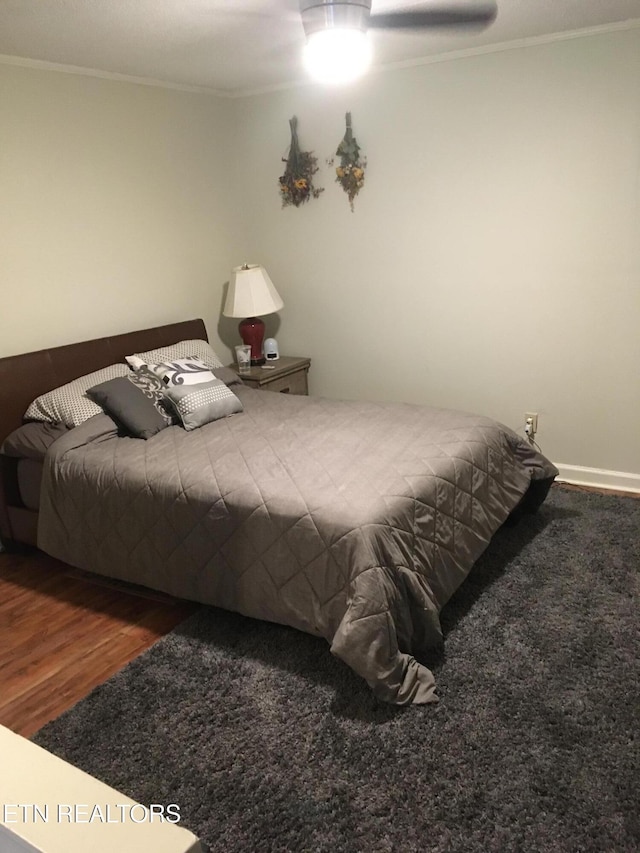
point(287, 375)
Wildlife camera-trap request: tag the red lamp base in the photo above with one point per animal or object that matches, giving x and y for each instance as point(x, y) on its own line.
point(252, 334)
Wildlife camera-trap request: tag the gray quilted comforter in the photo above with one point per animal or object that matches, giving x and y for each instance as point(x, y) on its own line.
point(352, 521)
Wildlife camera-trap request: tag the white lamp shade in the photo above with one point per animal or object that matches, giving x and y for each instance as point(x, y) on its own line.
point(251, 293)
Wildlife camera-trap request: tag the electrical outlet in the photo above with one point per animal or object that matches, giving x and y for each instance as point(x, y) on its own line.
point(531, 421)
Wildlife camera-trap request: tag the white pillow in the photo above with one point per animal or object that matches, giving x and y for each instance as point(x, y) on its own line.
point(184, 349)
point(69, 403)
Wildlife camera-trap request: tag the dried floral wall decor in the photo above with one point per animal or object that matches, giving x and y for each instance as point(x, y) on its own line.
point(296, 185)
point(350, 172)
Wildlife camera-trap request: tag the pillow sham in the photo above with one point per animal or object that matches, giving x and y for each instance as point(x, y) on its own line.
point(197, 396)
point(32, 440)
point(125, 399)
point(183, 349)
point(69, 404)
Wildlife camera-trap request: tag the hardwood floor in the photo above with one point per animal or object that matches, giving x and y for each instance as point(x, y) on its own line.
point(63, 632)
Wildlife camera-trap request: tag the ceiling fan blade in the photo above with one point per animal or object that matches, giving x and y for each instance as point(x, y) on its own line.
point(475, 15)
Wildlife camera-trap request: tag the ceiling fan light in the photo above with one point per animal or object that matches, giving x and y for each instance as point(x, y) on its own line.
point(337, 55)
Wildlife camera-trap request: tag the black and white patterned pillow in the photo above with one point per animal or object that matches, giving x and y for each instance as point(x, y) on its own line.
point(69, 404)
point(152, 387)
point(184, 349)
point(194, 393)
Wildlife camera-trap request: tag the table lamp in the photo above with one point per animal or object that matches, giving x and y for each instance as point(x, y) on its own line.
point(251, 293)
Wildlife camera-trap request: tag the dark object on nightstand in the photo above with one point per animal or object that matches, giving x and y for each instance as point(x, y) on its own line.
point(287, 376)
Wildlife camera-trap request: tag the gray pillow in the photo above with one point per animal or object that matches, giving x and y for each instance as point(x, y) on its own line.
point(125, 400)
point(228, 376)
point(197, 396)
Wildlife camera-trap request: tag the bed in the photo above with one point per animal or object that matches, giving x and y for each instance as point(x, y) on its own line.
point(352, 521)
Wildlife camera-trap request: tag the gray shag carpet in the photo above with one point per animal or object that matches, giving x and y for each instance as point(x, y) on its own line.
point(268, 743)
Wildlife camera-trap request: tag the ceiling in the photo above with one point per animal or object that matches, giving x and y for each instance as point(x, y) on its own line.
point(236, 46)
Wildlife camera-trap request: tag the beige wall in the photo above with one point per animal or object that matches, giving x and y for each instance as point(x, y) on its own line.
point(493, 260)
point(492, 263)
point(116, 207)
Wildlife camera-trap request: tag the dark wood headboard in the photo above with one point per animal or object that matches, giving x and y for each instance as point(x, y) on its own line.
point(25, 377)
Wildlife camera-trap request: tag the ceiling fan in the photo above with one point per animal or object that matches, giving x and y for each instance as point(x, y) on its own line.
point(337, 47)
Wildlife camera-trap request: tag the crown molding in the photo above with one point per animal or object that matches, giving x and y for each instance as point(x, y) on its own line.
point(451, 56)
point(513, 44)
point(42, 65)
point(454, 55)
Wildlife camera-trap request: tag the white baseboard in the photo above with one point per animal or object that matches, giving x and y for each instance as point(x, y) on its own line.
point(598, 478)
